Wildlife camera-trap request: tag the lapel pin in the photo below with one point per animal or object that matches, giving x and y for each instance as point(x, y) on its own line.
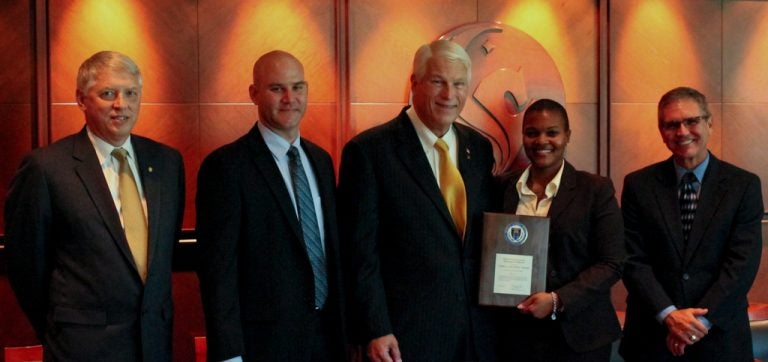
point(150, 169)
point(469, 154)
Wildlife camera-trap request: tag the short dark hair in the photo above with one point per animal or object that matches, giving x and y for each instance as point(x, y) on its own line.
point(680, 93)
point(548, 105)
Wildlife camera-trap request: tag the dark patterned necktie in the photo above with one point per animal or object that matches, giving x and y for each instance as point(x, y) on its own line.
point(309, 228)
point(688, 202)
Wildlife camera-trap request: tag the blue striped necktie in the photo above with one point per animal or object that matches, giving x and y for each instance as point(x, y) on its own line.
point(309, 228)
point(689, 200)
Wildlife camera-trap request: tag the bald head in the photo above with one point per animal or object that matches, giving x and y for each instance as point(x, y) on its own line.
point(272, 62)
point(280, 92)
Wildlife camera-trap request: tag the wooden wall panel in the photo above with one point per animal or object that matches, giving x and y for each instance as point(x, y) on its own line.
point(16, 60)
point(582, 149)
point(745, 51)
point(654, 47)
point(658, 45)
point(367, 115)
point(745, 86)
point(566, 29)
point(233, 34)
point(16, 52)
point(383, 37)
point(744, 129)
point(160, 36)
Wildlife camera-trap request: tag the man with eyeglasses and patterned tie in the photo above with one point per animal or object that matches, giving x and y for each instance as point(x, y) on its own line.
point(411, 198)
point(694, 241)
point(91, 224)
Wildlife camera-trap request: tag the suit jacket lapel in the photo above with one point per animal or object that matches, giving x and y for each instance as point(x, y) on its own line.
point(145, 163)
point(411, 153)
point(666, 194)
point(713, 189)
point(565, 193)
point(472, 172)
point(265, 163)
point(92, 177)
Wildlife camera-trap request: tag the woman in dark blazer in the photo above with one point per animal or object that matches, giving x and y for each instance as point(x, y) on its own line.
point(573, 319)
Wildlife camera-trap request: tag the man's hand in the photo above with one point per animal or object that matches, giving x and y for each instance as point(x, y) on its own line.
point(539, 305)
point(684, 326)
point(384, 349)
point(675, 346)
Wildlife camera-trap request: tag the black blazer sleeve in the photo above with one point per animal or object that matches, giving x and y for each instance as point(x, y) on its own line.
point(218, 227)
point(27, 215)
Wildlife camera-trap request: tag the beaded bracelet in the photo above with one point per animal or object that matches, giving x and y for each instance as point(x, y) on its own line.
point(555, 304)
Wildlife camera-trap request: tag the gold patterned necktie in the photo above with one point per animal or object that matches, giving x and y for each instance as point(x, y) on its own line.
point(134, 223)
point(452, 187)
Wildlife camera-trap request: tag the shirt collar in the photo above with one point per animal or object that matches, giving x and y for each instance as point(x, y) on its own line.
point(104, 149)
point(698, 171)
point(426, 136)
point(279, 146)
point(552, 187)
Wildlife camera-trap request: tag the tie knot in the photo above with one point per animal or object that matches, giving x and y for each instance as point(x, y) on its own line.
point(441, 145)
point(293, 153)
point(688, 178)
point(120, 154)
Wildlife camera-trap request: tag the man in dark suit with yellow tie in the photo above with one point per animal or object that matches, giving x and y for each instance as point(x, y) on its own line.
point(411, 197)
point(266, 221)
point(91, 222)
point(693, 240)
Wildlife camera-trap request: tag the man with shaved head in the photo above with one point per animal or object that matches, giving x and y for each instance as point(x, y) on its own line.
point(266, 222)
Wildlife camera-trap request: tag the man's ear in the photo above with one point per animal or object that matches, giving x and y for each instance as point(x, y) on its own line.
point(79, 96)
point(252, 91)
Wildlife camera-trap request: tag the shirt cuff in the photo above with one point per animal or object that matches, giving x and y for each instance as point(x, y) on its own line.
point(234, 359)
point(664, 313)
point(705, 322)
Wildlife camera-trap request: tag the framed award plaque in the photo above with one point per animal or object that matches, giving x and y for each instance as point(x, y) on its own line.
point(514, 258)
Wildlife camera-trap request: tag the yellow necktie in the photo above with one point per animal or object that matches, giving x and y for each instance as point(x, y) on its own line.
point(134, 223)
point(452, 187)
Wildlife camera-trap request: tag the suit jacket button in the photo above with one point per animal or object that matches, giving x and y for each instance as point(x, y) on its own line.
point(686, 276)
point(553, 273)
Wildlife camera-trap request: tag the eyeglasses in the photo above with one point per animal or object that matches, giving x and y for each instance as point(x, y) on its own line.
point(690, 122)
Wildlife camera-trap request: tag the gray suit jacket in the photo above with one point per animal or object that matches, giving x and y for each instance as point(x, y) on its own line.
point(715, 270)
point(69, 261)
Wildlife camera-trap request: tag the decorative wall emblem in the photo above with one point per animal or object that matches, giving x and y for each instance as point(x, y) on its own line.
point(510, 70)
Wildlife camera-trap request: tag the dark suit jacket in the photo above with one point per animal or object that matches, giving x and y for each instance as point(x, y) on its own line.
point(255, 276)
point(69, 261)
point(714, 270)
point(411, 273)
point(586, 254)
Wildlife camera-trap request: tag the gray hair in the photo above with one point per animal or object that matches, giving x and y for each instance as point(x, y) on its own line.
point(105, 60)
point(680, 93)
point(442, 48)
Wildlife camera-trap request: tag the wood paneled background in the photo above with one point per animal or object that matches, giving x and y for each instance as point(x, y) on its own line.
point(196, 58)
